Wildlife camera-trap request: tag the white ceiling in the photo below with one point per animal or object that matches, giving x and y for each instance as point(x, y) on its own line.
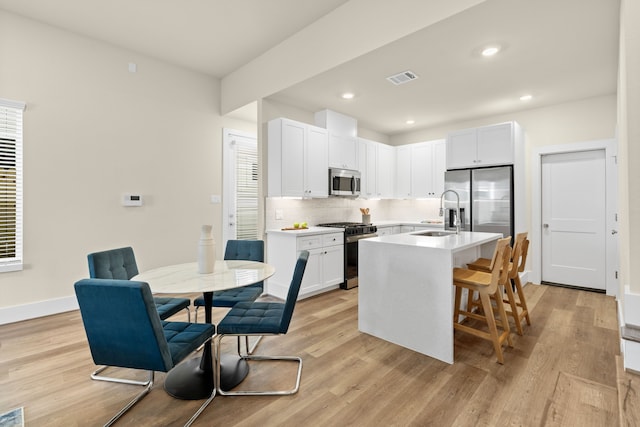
point(555, 50)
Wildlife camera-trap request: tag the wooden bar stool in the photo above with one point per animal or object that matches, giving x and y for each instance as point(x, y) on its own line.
point(518, 306)
point(486, 284)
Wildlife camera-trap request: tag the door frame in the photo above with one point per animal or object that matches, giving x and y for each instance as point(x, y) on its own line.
point(610, 148)
point(228, 193)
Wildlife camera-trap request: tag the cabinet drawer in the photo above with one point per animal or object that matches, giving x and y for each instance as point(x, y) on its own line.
point(332, 239)
point(309, 242)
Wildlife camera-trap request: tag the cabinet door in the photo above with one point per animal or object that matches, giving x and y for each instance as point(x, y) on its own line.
point(385, 231)
point(462, 149)
point(316, 163)
point(371, 161)
point(293, 155)
point(421, 170)
point(386, 167)
point(403, 171)
point(495, 145)
point(439, 167)
point(343, 151)
point(312, 279)
point(333, 265)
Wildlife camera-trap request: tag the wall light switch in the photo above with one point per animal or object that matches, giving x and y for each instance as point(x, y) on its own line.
point(279, 214)
point(215, 198)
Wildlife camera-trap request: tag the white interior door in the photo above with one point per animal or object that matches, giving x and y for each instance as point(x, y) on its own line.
point(240, 197)
point(574, 219)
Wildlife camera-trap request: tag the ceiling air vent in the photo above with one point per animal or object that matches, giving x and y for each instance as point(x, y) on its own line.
point(404, 77)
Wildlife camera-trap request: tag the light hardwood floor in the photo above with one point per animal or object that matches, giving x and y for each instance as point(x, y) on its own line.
point(564, 371)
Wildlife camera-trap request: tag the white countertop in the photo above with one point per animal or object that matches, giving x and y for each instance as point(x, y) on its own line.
point(435, 223)
point(432, 223)
point(307, 231)
point(453, 242)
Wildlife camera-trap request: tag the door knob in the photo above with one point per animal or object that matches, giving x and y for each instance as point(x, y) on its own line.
point(614, 231)
point(545, 225)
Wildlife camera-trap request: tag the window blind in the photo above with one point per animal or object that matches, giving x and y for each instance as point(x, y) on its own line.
point(11, 185)
point(246, 191)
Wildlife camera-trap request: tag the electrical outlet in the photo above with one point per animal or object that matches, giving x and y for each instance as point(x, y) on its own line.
point(279, 214)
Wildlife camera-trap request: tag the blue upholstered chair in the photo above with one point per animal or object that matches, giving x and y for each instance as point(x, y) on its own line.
point(263, 318)
point(124, 330)
point(121, 264)
point(248, 250)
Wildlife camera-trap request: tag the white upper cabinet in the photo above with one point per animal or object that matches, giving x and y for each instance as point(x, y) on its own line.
point(343, 141)
point(403, 171)
point(298, 161)
point(386, 171)
point(377, 166)
point(420, 169)
point(316, 163)
point(479, 147)
point(343, 151)
point(439, 167)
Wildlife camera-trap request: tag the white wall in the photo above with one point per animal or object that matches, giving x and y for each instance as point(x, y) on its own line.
point(629, 150)
point(94, 131)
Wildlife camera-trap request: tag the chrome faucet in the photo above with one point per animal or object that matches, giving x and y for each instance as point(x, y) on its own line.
point(457, 221)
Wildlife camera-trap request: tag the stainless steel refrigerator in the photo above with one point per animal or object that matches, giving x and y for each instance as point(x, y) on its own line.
point(486, 199)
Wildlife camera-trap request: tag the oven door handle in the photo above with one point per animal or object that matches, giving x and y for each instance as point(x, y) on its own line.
point(355, 238)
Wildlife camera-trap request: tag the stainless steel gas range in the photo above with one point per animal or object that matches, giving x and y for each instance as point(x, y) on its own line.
point(353, 232)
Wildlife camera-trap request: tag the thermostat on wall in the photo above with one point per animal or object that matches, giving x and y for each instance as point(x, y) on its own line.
point(131, 200)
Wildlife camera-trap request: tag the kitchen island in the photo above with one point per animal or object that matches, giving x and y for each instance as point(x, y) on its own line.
point(406, 292)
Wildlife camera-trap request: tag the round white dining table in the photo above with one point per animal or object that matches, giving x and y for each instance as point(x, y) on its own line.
point(193, 379)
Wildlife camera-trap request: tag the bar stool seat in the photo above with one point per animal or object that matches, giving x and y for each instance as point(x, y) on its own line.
point(486, 285)
point(517, 307)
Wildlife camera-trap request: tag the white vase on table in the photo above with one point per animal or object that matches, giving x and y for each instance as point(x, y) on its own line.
point(206, 250)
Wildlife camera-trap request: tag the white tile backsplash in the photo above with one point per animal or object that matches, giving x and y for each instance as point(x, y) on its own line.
point(338, 209)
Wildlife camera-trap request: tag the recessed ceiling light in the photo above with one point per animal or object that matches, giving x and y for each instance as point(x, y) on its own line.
point(347, 95)
point(526, 98)
point(490, 50)
point(410, 122)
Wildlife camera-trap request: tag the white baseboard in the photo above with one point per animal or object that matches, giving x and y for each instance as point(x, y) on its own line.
point(18, 313)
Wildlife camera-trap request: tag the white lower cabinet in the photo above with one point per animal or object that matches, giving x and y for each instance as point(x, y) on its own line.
point(325, 267)
point(388, 230)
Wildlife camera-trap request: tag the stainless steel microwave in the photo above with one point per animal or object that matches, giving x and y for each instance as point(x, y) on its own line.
point(344, 182)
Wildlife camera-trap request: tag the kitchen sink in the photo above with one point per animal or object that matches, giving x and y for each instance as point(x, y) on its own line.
point(434, 233)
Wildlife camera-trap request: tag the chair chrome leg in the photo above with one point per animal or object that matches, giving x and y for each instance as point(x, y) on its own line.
point(202, 408)
point(135, 400)
point(218, 345)
point(255, 344)
point(188, 314)
point(96, 377)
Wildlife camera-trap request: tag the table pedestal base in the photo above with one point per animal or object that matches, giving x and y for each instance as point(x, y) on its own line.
point(189, 382)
